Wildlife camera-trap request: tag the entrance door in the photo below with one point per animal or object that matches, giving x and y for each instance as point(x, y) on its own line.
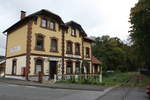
point(53, 69)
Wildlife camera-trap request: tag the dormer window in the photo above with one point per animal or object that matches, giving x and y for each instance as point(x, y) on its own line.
point(44, 23)
point(73, 32)
point(52, 25)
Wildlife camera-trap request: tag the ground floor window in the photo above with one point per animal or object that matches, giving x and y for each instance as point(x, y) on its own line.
point(38, 66)
point(69, 69)
point(14, 67)
point(96, 68)
point(87, 68)
point(77, 69)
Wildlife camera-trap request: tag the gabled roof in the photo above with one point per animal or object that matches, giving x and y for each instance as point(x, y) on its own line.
point(76, 25)
point(96, 61)
point(87, 39)
point(34, 15)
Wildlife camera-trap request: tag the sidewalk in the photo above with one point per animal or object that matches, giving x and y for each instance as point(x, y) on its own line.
point(56, 85)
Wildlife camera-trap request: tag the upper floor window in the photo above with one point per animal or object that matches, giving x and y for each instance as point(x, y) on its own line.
point(48, 24)
point(54, 45)
point(52, 25)
point(73, 32)
point(87, 52)
point(69, 47)
point(39, 42)
point(44, 23)
point(77, 48)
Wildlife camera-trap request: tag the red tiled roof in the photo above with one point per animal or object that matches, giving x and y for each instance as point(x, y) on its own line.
point(95, 61)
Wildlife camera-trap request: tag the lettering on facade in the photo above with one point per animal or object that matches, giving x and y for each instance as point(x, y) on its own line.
point(15, 49)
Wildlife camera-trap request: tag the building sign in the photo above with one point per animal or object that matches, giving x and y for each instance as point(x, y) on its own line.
point(54, 59)
point(72, 56)
point(15, 49)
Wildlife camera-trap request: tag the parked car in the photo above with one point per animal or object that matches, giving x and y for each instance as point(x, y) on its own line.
point(148, 89)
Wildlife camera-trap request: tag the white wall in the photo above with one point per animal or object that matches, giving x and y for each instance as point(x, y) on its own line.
point(21, 62)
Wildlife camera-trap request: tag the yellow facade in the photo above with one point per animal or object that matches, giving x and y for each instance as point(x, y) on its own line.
point(85, 45)
point(17, 41)
point(17, 46)
point(36, 28)
point(77, 39)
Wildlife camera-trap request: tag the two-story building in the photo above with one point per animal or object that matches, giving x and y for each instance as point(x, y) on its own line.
point(42, 42)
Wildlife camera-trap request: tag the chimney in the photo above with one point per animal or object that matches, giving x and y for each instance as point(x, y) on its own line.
point(23, 14)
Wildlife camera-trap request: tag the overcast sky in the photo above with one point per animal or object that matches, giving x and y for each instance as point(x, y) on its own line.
point(97, 17)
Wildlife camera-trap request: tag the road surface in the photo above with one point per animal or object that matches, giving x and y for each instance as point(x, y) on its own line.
point(19, 92)
point(126, 93)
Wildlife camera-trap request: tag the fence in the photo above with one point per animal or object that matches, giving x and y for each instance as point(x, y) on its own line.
point(78, 77)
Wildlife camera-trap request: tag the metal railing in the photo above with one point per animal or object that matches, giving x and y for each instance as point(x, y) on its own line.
point(78, 77)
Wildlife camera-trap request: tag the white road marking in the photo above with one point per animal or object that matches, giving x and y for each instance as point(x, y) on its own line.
point(30, 86)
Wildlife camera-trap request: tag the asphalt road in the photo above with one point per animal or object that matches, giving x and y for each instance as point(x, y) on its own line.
point(126, 93)
point(18, 92)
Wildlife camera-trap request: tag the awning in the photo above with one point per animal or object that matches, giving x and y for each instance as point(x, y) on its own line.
point(96, 61)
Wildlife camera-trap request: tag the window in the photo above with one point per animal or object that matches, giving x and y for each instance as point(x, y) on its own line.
point(54, 45)
point(39, 42)
point(44, 23)
point(87, 52)
point(77, 70)
point(52, 25)
point(14, 67)
point(73, 32)
point(77, 49)
point(48, 24)
point(69, 67)
point(87, 68)
point(69, 47)
point(38, 66)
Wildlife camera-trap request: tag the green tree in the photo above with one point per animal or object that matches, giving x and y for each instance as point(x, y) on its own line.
point(140, 32)
point(114, 54)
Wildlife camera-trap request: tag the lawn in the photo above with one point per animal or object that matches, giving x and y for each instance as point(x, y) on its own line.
point(113, 79)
